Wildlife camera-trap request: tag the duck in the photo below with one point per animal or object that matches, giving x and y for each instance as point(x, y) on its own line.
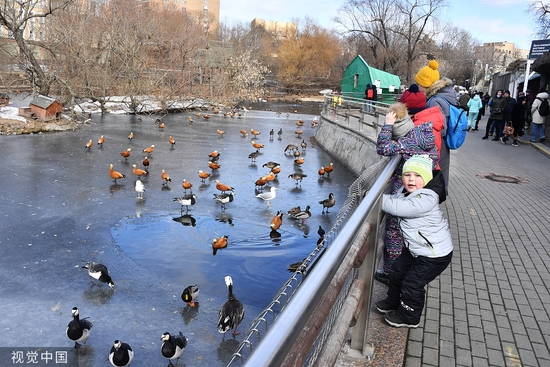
point(187, 185)
point(219, 243)
point(216, 111)
point(165, 177)
point(270, 164)
point(115, 175)
point(138, 120)
point(260, 183)
point(303, 215)
point(303, 144)
point(271, 134)
point(138, 171)
point(131, 136)
point(199, 114)
point(221, 132)
point(298, 177)
point(214, 154)
point(290, 147)
point(140, 188)
point(314, 122)
point(190, 119)
point(146, 163)
point(257, 145)
point(126, 153)
point(295, 266)
point(204, 175)
point(280, 133)
point(121, 354)
point(213, 165)
point(269, 177)
point(173, 346)
point(328, 203)
point(206, 117)
point(101, 140)
point(78, 330)
point(268, 196)
point(224, 198)
point(329, 169)
point(244, 133)
point(276, 170)
point(190, 294)
point(297, 153)
point(277, 221)
point(299, 161)
point(255, 132)
point(160, 124)
point(186, 200)
point(232, 312)
point(223, 187)
point(321, 172)
point(89, 144)
point(299, 133)
point(149, 150)
point(299, 123)
point(321, 232)
point(99, 272)
point(171, 140)
point(294, 210)
point(254, 155)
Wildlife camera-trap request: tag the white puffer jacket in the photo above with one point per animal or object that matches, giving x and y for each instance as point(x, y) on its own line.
point(537, 118)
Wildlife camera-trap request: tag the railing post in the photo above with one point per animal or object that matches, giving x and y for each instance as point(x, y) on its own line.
point(365, 274)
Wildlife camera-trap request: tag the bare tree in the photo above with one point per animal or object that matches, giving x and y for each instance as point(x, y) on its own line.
point(392, 29)
point(541, 12)
point(20, 18)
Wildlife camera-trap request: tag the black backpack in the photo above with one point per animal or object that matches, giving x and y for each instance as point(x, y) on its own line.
point(544, 108)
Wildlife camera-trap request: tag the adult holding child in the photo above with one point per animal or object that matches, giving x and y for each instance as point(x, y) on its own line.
point(439, 92)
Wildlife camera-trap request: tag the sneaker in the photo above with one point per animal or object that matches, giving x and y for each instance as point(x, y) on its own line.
point(382, 277)
point(384, 307)
point(502, 140)
point(515, 144)
point(495, 139)
point(543, 139)
point(485, 137)
point(394, 320)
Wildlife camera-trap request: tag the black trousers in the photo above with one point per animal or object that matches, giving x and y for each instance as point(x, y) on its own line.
point(408, 278)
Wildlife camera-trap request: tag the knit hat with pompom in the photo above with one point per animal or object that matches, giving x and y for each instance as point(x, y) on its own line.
point(428, 74)
point(414, 99)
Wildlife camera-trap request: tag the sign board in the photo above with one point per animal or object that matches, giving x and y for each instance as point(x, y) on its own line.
point(391, 88)
point(538, 48)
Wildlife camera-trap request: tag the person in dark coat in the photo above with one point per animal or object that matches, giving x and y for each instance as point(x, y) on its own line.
point(498, 105)
point(518, 118)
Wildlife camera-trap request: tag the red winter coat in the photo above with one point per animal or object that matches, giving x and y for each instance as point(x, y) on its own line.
point(433, 115)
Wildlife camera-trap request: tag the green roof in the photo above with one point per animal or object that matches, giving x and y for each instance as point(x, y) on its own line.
point(358, 74)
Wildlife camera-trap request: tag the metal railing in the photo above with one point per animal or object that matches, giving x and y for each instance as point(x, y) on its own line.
point(272, 335)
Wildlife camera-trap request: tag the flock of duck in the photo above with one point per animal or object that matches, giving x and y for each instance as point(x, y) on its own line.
point(231, 313)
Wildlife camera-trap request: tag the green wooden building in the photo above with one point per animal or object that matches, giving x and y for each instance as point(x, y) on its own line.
point(358, 74)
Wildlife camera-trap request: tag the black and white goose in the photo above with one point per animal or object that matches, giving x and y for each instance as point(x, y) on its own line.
point(186, 200)
point(78, 330)
point(224, 198)
point(232, 312)
point(99, 271)
point(173, 346)
point(121, 354)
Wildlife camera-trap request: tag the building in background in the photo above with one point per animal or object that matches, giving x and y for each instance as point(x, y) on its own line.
point(207, 12)
point(278, 30)
point(498, 55)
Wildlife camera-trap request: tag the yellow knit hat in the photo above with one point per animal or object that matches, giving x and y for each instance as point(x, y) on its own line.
point(428, 74)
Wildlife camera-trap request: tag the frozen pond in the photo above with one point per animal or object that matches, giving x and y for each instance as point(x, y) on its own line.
point(61, 209)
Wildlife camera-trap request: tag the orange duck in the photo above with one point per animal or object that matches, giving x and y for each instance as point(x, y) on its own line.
point(221, 132)
point(257, 145)
point(213, 165)
point(276, 170)
point(131, 136)
point(255, 132)
point(219, 243)
point(146, 163)
point(149, 150)
point(260, 183)
point(299, 160)
point(244, 133)
point(89, 144)
point(171, 140)
point(165, 178)
point(321, 171)
point(101, 140)
point(277, 221)
point(186, 185)
point(269, 177)
point(115, 175)
point(126, 153)
point(328, 169)
point(223, 187)
point(204, 175)
point(138, 172)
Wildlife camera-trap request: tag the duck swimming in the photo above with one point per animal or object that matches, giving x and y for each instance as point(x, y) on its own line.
point(232, 312)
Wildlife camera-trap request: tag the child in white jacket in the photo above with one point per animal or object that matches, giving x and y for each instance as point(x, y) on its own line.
point(428, 247)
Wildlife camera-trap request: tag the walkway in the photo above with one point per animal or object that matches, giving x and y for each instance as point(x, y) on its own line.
point(490, 307)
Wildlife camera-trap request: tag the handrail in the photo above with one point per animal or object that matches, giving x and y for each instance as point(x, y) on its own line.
point(284, 331)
